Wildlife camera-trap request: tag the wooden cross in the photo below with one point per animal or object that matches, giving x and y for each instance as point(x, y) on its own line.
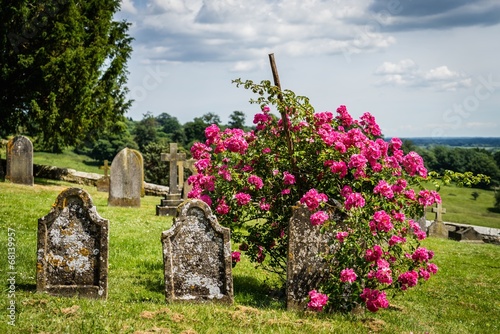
point(173, 157)
point(105, 167)
point(439, 210)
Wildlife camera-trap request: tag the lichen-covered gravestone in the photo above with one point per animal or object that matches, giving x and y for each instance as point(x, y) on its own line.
point(197, 256)
point(20, 161)
point(126, 186)
point(73, 248)
point(306, 268)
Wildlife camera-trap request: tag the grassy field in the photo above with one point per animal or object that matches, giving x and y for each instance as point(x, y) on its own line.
point(462, 298)
point(68, 159)
point(462, 208)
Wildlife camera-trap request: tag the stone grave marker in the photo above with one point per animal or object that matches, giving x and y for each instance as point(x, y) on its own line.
point(72, 257)
point(172, 200)
point(126, 182)
point(188, 164)
point(103, 183)
point(438, 228)
point(306, 268)
point(197, 256)
point(20, 161)
point(422, 222)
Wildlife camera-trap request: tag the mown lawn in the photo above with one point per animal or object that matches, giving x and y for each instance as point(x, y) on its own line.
point(462, 208)
point(462, 298)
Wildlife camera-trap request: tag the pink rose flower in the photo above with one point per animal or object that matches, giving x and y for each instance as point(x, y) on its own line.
point(348, 275)
point(318, 218)
point(317, 301)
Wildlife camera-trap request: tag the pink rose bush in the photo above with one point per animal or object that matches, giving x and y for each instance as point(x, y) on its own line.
point(330, 163)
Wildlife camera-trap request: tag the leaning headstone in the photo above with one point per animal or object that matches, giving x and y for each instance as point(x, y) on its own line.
point(103, 183)
point(72, 257)
point(197, 256)
point(306, 268)
point(438, 229)
point(172, 200)
point(126, 183)
point(20, 161)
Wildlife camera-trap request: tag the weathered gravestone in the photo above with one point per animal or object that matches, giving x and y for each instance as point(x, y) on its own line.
point(20, 161)
point(103, 183)
point(73, 248)
point(169, 204)
point(197, 256)
point(306, 268)
point(438, 228)
point(188, 164)
point(126, 183)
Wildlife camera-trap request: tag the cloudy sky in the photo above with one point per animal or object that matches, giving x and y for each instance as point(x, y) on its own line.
point(423, 68)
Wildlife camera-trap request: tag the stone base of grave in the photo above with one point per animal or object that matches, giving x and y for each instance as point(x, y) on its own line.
point(169, 204)
point(103, 184)
point(438, 230)
point(464, 233)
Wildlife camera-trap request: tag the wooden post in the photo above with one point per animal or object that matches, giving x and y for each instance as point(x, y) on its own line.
point(283, 113)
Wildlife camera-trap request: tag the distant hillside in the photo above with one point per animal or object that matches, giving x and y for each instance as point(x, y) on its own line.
point(485, 142)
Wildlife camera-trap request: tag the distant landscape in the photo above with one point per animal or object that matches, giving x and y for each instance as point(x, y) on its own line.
point(465, 142)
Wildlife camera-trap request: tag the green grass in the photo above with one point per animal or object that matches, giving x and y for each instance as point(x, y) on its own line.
point(68, 159)
point(462, 298)
point(462, 208)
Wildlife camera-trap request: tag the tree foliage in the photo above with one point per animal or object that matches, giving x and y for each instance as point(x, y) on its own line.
point(62, 69)
point(237, 120)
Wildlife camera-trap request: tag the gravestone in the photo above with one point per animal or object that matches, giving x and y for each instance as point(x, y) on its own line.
point(197, 256)
point(306, 268)
point(126, 182)
point(172, 200)
point(438, 229)
point(72, 257)
point(20, 161)
point(103, 183)
point(188, 164)
point(422, 222)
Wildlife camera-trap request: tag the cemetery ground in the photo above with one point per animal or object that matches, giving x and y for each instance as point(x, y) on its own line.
point(462, 298)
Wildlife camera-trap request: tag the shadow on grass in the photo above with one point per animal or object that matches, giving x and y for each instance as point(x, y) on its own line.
point(26, 287)
point(47, 182)
point(251, 292)
point(154, 280)
point(494, 210)
point(92, 163)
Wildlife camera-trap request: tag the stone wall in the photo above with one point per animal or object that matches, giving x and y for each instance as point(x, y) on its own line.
point(81, 178)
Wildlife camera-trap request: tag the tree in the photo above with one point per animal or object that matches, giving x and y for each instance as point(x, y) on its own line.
point(169, 124)
point(155, 170)
point(145, 130)
point(237, 120)
point(211, 118)
point(195, 130)
point(62, 69)
point(109, 143)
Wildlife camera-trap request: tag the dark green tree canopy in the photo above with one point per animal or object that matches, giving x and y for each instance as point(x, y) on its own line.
point(237, 120)
point(62, 69)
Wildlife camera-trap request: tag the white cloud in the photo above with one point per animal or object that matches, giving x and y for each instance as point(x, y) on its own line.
point(197, 30)
point(407, 73)
point(128, 7)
